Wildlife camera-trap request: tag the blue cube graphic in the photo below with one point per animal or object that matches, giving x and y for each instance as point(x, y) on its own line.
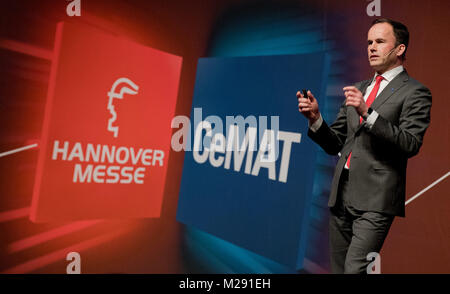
point(257, 198)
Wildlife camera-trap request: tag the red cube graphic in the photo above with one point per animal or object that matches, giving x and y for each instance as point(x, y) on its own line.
point(106, 135)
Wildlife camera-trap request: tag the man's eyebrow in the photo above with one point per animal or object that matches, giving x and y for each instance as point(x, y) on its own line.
point(377, 39)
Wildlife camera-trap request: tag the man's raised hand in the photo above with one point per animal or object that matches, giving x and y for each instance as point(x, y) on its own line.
point(308, 106)
point(355, 98)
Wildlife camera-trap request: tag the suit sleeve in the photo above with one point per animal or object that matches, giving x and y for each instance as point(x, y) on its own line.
point(414, 119)
point(332, 138)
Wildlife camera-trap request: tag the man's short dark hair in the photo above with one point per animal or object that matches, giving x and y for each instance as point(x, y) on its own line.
point(400, 32)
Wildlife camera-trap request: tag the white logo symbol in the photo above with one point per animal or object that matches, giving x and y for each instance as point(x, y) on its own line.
point(113, 94)
point(374, 8)
point(73, 267)
point(74, 8)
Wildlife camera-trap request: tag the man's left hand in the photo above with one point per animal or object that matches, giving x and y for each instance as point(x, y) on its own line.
point(355, 98)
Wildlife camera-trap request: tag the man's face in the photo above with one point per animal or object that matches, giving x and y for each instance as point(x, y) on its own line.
point(381, 49)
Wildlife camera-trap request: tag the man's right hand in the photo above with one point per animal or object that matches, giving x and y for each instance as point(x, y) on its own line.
point(308, 106)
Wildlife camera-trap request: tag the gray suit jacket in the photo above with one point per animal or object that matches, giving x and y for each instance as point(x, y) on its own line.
point(377, 176)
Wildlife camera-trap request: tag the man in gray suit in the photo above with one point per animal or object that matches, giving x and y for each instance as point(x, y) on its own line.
point(379, 126)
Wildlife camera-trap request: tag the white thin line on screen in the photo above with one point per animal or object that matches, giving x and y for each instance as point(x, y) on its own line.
point(18, 150)
point(427, 188)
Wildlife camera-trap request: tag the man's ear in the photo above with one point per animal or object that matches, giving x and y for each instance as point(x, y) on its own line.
point(401, 50)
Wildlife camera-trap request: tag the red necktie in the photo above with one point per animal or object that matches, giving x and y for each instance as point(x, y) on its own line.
point(369, 102)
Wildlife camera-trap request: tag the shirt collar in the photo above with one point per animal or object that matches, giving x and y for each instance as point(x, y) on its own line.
point(390, 74)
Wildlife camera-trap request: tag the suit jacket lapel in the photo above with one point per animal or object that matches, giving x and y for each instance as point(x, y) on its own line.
point(390, 89)
point(364, 85)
